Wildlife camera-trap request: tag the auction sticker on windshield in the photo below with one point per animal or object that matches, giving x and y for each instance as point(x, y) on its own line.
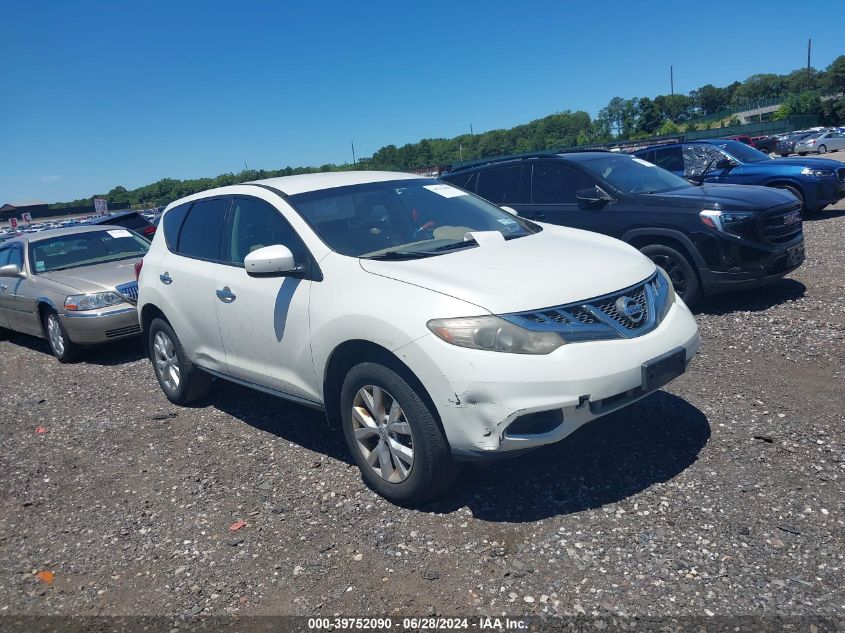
point(119, 233)
point(445, 190)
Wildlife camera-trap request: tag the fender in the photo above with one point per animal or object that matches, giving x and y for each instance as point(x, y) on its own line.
point(675, 235)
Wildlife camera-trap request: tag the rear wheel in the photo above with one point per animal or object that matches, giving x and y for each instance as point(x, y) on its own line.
point(393, 436)
point(57, 338)
point(180, 380)
point(822, 149)
point(679, 269)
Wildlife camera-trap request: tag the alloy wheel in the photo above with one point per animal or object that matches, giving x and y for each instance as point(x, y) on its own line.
point(382, 433)
point(54, 335)
point(822, 150)
point(166, 361)
point(674, 270)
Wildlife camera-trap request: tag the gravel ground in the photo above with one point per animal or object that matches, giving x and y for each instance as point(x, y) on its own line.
point(722, 494)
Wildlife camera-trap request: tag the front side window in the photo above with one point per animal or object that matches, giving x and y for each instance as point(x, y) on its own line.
point(16, 256)
point(633, 175)
point(501, 185)
point(85, 249)
point(402, 219)
point(202, 230)
point(4, 256)
point(256, 224)
point(557, 184)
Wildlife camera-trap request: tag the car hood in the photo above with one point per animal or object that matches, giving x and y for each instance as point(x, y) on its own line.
point(718, 196)
point(816, 163)
point(553, 267)
point(96, 278)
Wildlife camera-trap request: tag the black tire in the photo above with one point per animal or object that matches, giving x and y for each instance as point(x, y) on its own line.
point(784, 155)
point(192, 383)
point(822, 149)
point(64, 349)
point(802, 153)
point(4, 333)
point(797, 193)
point(679, 269)
point(433, 468)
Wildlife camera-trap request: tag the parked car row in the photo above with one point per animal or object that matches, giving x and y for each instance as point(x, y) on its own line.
point(816, 141)
point(410, 309)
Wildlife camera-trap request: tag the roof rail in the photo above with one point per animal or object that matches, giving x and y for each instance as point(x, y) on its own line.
point(467, 164)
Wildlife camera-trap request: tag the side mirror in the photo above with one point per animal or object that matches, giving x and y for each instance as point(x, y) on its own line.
point(510, 210)
point(10, 270)
point(271, 260)
point(725, 163)
point(593, 195)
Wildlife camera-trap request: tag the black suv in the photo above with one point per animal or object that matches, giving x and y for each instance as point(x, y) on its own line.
point(709, 238)
point(127, 219)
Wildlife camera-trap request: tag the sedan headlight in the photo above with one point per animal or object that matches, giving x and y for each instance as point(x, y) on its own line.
point(494, 334)
point(724, 221)
point(818, 173)
point(78, 303)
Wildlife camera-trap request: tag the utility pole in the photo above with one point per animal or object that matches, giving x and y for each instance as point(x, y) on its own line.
point(809, 49)
point(671, 80)
point(470, 129)
point(354, 162)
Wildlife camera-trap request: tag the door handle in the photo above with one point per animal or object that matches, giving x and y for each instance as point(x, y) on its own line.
point(226, 295)
point(538, 216)
point(166, 279)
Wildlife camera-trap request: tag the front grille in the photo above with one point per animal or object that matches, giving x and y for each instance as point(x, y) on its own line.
point(627, 313)
point(123, 331)
point(783, 226)
point(128, 291)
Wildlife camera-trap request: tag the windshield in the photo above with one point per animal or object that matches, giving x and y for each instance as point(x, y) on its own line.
point(85, 249)
point(401, 219)
point(741, 152)
point(633, 175)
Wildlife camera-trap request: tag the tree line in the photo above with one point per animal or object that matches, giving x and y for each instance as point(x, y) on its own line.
point(804, 91)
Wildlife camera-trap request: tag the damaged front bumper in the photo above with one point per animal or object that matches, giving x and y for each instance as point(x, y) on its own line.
point(486, 400)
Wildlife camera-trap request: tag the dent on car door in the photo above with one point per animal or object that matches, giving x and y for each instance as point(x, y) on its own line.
point(264, 319)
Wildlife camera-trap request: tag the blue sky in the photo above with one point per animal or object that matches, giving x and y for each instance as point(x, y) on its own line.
point(99, 94)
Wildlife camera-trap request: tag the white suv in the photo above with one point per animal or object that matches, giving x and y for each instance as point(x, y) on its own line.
point(433, 325)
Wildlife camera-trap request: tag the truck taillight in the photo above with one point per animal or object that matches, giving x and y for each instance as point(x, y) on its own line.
point(138, 266)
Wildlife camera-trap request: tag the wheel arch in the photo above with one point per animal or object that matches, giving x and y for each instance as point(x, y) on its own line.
point(42, 305)
point(149, 312)
point(666, 237)
point(353, 352)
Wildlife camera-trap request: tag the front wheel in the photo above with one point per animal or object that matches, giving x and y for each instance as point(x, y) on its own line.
point(180, 380)
point(65, 350)
point(393, 436)
point(679, 269)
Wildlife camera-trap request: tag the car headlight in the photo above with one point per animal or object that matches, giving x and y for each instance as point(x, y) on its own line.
point(78, 303)
point(725, 221)
point(494, 334)
point(818, 173)
point(665, 288)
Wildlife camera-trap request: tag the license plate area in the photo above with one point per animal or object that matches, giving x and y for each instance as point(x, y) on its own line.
point(795, 254)
point(663, 369)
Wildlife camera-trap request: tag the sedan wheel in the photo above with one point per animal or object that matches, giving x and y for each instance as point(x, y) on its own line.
point(166, 361)
point(54, 335)
point(822, 149)
point(382, 433)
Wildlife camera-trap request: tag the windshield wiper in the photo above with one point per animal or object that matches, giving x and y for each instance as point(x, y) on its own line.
point(705, 172)
point(455, 246)
point(399, 255)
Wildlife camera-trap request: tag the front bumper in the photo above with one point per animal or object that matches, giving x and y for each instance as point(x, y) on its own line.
point(779, 262)
point(478, 393)
point(100, 326)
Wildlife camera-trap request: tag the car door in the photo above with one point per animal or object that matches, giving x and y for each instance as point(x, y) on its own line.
point(553, 198)
point(836, 141)
point(264, 319)
point(5, 293)
point(23, 316)
point(187, 275)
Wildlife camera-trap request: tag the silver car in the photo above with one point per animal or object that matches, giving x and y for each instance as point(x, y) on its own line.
point(73, 286)
point(821, 143)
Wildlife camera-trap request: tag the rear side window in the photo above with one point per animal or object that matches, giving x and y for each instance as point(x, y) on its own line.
point(670, 159)
point(202, 230)
point(502, 185)
point(172, 223)
point(557, 184)
point(467, 182)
